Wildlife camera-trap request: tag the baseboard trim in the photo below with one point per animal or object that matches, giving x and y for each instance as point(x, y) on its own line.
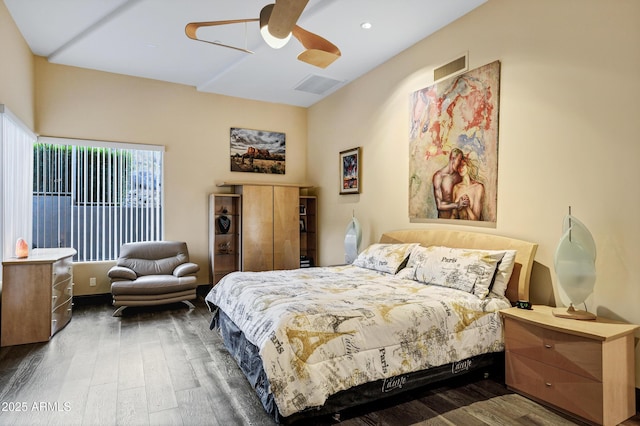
point(92, 299)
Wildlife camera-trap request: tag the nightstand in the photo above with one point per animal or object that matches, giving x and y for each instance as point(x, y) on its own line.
point(584, 368)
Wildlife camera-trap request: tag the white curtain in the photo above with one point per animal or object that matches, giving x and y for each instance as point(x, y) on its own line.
point(16, 182)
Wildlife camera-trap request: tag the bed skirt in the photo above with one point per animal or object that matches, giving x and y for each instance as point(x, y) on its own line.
point(248, 359)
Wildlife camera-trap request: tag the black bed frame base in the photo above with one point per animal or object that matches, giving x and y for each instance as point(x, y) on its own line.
point(386, 388)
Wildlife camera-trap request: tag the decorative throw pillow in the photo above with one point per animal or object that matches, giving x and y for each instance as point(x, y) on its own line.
point(387, 258)
point(463, 269)
point(417, 256)
point(503, 273)
point(407, 273)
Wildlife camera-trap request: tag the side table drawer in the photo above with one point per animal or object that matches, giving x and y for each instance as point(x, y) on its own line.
point(60, 292)
point(565, 390)
point(61, 315)
point(575, 354)
point(61, 270)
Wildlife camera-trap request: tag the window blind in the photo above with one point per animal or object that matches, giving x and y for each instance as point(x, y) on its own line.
point(95, 196)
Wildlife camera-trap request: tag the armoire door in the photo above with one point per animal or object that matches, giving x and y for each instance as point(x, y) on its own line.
point(257, 228)
point(286, 227)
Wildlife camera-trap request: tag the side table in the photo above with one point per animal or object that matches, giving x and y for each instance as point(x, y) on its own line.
point(584, 368)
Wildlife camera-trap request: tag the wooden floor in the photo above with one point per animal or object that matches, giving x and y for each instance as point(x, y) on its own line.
point(163, 366)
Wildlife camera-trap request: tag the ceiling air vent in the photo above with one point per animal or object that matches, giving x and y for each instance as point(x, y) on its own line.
point(452, 67)
point(317, 85)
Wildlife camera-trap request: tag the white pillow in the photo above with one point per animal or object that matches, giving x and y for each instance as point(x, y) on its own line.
point(503, 274)
point(463, 269)
point(387, 258)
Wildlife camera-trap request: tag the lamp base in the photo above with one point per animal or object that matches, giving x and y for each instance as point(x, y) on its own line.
point(573, 313)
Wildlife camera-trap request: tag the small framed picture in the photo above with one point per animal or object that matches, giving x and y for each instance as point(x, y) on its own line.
point(350, 171)
point(303, 210)
point(303, 225)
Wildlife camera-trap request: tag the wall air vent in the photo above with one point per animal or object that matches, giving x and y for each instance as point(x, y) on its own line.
point(453, 67)
point(317, 85)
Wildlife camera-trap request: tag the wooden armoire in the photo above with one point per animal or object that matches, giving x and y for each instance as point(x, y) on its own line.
point(271, 225)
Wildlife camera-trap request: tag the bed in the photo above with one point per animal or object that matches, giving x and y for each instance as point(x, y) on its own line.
point(418, 306)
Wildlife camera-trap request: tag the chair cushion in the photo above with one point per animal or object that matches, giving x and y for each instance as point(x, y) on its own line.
point(154, 284)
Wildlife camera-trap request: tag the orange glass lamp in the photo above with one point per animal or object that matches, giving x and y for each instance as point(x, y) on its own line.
point(22, 248)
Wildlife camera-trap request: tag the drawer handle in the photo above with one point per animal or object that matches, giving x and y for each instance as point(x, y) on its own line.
point(547, 384)
point(548, 346)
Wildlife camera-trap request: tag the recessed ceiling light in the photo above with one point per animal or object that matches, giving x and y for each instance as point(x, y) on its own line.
point(365, 25)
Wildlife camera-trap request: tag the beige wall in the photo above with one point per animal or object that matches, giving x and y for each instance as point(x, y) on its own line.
point(16, 70)
point(568, 135)
point(193, 127)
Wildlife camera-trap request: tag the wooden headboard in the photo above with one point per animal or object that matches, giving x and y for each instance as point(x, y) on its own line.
point(518, 286)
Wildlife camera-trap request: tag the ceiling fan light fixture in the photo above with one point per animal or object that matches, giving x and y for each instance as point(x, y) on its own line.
point(270, 39)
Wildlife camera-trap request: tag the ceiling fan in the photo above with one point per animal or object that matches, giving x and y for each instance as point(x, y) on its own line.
point(277, 25)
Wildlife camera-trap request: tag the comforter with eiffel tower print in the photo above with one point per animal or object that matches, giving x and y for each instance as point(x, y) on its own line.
point(323, 330)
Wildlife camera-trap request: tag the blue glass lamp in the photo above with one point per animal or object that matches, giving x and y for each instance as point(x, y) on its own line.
point(575, 267)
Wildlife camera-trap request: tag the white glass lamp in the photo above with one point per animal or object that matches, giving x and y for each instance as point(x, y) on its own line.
point(575, 267)
point(352, 240)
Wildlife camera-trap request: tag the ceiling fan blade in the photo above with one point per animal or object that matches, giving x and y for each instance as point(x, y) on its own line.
point(284, 16)
point(320, 52)
point(318, 58)
point(192, 27)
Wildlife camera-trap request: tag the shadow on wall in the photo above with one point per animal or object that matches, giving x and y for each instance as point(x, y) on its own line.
point(541, 286)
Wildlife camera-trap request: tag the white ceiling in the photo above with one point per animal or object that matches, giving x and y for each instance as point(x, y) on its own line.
point(145, 38)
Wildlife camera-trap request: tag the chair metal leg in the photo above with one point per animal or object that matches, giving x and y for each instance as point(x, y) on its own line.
point(118, 312)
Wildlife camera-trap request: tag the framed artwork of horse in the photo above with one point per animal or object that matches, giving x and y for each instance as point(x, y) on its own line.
point(257, 151)
point(350, 171)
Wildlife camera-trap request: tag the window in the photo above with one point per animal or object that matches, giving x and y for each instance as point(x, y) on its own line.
point(95, 196)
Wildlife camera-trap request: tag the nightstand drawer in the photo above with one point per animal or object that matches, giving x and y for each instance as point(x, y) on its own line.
point(574, 354)
point(565, 390)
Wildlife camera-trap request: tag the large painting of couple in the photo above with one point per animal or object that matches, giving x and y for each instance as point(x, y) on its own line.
point(453, 148)
point(257, 151)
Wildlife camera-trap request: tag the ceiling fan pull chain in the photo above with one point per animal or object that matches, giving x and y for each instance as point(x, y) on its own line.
point(246, 44)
